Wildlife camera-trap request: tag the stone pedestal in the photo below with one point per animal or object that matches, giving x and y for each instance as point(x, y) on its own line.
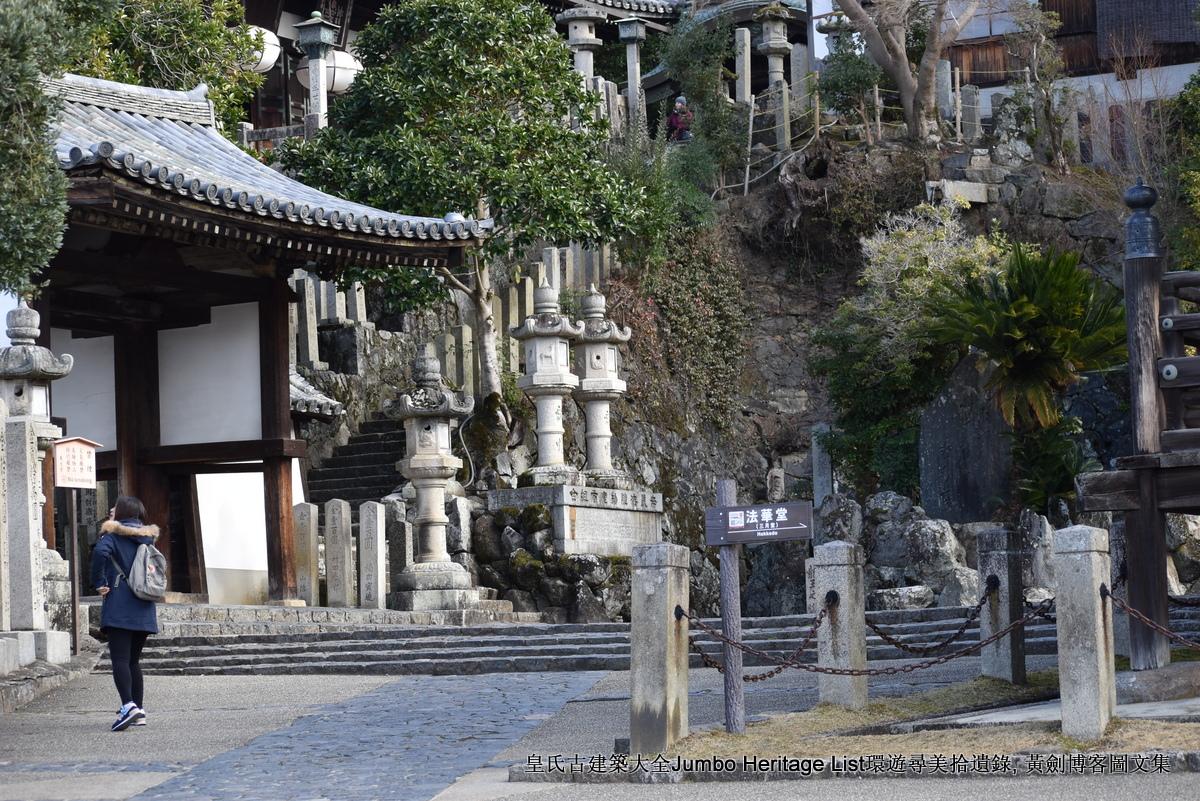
point(1000, 556)
point(1086, 673)
point(658, 659)
point(609, 522)
point(842, 638)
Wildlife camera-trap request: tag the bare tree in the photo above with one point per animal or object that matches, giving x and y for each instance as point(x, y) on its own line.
point(885, 26)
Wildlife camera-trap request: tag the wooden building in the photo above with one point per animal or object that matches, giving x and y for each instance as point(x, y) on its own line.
point(171, 292)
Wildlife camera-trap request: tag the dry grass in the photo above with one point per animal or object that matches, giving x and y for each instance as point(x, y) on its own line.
point(821, 731)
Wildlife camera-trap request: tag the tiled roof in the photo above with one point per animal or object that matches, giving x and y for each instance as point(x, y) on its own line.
point(658, 8)
point(309, 401)
point(167, 139)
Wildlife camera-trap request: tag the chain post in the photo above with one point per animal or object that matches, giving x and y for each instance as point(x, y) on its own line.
point(842, 644)
point(1000, 561)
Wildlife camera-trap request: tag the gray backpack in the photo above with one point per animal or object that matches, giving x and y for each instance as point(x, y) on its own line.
point(147, 577)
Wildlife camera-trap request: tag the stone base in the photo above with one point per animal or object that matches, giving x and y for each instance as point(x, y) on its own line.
point(1170, 683)
point(435, 600)
point(609, 522)
point(52, 646)
point(550, 476)
point(422, 576)
point(608, 479)
point(26, 650)
point(290, 602)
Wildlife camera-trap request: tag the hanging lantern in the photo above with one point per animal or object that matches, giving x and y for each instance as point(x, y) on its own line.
point(341, 69)
point(266, 56)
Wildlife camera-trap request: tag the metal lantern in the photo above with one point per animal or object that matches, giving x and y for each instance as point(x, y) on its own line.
point(341, 69)
point(267, 55)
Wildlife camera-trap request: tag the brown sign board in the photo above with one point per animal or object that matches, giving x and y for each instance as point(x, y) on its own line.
point(773, 522)
point(75, 463)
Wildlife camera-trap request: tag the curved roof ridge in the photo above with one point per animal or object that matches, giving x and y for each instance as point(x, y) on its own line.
point(192, 106)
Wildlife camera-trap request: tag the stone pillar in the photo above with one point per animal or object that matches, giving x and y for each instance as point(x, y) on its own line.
point(339, 554)
point(599, 385)
point(316, 38)
point(822, 466)
point(632, 33)
point(1000, 556)
point(308, 577)
point(399, 538)
point(741, 50)
point(1070, 117)
point(581, 37)
point(1085, 648)
point(546, 337)
point(26, 370)
point(356, 303)
point(945, 99)
point(5, 574)
point(842, 638)
point(307, 353)
point(335, 304)
point(658, 659)
point(372, 556)
point(971, 114)
point(798, 66)
point(432, 581)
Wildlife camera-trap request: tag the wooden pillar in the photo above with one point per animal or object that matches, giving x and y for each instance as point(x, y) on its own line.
point(1145, 529)
point(277, 424)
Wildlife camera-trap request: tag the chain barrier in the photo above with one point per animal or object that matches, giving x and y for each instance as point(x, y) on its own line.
point(993, 586)
point(1044, 614)
point(885, 671)
point(1147, 622)
point(753, 677)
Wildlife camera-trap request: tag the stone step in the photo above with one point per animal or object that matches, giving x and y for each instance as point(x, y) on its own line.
point(387, 458)
point(381, 426)
point(390, 438)
point(488, 593)
point(370, 449)
point(434, 667)
point(352, 483)
point(370, 471)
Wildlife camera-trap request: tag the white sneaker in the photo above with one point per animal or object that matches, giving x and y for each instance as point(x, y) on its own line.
point(142, 720)
point(127, 716)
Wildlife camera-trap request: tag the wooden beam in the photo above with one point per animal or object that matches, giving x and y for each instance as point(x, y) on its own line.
point(229, 451)
point(1175, 280)
point(1183, 439)
point(1146, 576)
point(1177, 489)
point(275, 391)
point(127, 270)
point(1179, 322)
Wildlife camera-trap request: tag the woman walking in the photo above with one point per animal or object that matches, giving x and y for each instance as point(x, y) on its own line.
point(126, 619)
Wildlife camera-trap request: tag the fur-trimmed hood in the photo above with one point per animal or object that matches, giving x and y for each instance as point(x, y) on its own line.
point(115, 527)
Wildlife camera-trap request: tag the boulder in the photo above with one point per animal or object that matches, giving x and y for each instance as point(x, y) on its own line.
point(968, 536)
point(1065, 201)
point(1035, 595)
point(884, 506)
point(1174, 586)
point(882, 578)
point(540, 541)
point(556, 591)
point(491, 576)
point(933, 552)
point(512, 540)
point(705, 589)
point(458, 529)
point(535, 517)
point(839, 518)
point(616, 600)
point(592, 569)
point(776, 582)
point(1183, 541)
point(485, 540)
point(527, 572)
point(586, 607)
point(960, 588)
point(1037, 537)
point(917, 597)
point(885, 517)
point(521, 601)
point(467, 560)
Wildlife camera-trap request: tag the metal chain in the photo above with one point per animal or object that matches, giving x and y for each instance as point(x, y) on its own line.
point(1037, 609)
point(887, 671)
point(753, 677)
point(926, 650)
point(1147, 622)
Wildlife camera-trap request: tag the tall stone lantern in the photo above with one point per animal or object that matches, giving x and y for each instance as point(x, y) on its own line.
point(432, 581)
point(581, 37)
point(599, 385)
point(547, 337)
point(316, 38)
point(775, 45)
point(632, 32)
point(26, 370)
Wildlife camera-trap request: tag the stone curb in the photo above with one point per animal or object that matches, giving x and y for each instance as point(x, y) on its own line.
point(38, 678)
point(1022, 765)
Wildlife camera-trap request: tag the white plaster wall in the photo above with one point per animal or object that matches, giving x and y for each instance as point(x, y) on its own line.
point(209, 379)
point(1150, 84)
point(86, 397)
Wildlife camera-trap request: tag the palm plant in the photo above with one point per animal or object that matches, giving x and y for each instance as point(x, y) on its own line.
point(1041, 323)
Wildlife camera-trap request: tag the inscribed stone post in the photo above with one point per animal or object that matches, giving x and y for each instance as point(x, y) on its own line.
point(307, 353)
point(945, 103)
point(399, 538)
point(356, 303)
point(741, 51)
point(464, 358)
point(972, 114)
point(658, 659)
point(339, 556)
point(822, 466)
point(551, 257)
point(1000, 556)
point(798, 73)
point(372, 556)
point(24, 489)
point(842, 639)
point(308, 578)
point(335, 304)
point(5, 576)
point(1086, 677)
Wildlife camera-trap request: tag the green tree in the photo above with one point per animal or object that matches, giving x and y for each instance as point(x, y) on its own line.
point(174, 44)
point(34, 43)
point(847, 79)
point(1032, 44)
point(472, 107)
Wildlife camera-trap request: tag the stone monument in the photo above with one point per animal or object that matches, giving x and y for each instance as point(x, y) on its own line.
point(599, 510)
point(26, 370)
point(433, 581)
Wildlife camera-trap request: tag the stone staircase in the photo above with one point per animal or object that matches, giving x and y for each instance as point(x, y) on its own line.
point(364, 469)
point(395, 649)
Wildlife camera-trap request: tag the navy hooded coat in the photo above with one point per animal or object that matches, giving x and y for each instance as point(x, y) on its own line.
point(122, 609)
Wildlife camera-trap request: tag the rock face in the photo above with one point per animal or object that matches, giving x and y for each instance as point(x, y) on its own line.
point(1037, 538)
point(706, 585)
point(1183, 541)
point(839, 518)
point(915, 597)
point(776, 583)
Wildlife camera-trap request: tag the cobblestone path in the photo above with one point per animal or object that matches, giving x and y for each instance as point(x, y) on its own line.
point(404, 741)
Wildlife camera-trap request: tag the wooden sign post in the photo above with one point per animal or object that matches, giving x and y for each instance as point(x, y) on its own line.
point(727, 526)
point(74, 469)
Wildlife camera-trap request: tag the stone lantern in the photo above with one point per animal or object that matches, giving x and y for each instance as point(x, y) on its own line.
point(774, 44)
point(547, 337)
point(581, 37)
point(26, 370)
point(599, 385)
point(632, 32)
point(432, 581)
point(316, 38)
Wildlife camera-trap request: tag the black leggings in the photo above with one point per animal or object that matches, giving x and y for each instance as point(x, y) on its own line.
point(125, 651)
